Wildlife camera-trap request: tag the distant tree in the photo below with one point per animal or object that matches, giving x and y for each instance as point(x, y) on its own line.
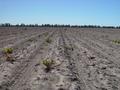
point(22, 25)
point(5, 25)
point(36, 25)
point(118, 27)
point(17, 25)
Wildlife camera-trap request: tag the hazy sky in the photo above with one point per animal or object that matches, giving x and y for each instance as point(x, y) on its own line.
point(99, 12)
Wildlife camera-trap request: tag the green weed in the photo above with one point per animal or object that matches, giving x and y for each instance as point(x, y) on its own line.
point(48, 63)
point(116, 41)
point(8, 50)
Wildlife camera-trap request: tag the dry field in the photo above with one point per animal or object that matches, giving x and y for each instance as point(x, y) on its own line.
point(84, 58)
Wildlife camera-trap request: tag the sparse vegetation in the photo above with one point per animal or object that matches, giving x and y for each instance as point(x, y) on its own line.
point(64, 56)
point(57, 25)
point(48, 63)
point(116, 41)
point(8, 50)
point(48, 40)
point(8, 56)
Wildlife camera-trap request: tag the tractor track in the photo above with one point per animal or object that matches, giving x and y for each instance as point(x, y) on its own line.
point(83, 61)
point(24, 66)
point(101, 64)
point(68, 54)
point(22, 42)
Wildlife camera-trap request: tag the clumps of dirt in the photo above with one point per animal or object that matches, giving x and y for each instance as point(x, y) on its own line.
point(61, 89)
point(91, 57)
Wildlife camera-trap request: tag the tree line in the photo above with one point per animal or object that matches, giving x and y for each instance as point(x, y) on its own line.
point(56, 25)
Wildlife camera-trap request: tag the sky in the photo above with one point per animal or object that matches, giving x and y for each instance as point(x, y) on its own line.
point(75, 12)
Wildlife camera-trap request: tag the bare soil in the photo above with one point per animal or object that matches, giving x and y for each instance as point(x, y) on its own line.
point(85, 58)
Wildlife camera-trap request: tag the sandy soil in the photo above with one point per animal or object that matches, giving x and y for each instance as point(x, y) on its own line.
point(85, 59)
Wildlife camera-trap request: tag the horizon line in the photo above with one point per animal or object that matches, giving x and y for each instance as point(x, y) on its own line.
point(61, 24)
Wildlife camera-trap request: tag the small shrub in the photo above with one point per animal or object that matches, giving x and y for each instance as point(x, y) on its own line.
point(48, 63)
point(8, 50)
point(8, 56)
point(48, 40)
point(116, 41)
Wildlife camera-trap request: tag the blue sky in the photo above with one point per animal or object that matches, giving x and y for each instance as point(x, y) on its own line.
point(76, 12)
